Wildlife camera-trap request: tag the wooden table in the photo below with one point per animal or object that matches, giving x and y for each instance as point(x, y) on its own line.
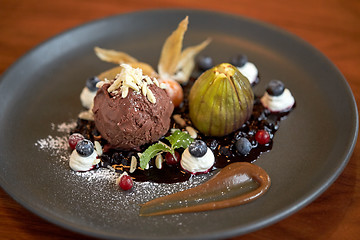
point(332, 26)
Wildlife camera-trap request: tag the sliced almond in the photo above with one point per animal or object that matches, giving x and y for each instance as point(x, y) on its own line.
point(156, 82)
point(133, 164)
point(144, 88)
point(192, 132)
point(179, 120)
point(124, 91)
point(98, 148)
point(86, 115)
point(150, 96)
point(158, 161)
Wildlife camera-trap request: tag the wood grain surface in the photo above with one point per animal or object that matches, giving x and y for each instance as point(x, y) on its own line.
point(332, 26)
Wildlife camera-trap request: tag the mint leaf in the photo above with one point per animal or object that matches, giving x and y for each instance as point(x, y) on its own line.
point(151, 152)
point(179, 139)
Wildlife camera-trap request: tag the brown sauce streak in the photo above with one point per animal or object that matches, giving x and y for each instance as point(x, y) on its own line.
point(232, 176)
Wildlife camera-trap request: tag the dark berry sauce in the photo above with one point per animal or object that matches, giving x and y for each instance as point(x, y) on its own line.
point(223, 147)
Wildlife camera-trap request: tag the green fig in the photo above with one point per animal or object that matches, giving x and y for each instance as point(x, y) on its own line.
point(220, 101)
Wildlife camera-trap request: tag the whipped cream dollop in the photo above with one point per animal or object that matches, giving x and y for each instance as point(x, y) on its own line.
point(281, 103)
point(250, 71)
point(82, 164)
point(87, 97)
point(197, 164)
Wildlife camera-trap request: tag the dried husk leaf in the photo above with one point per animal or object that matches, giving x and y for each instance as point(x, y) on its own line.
point(111, 73)
point(114, 56)
point(171, 51)
point(186, 63)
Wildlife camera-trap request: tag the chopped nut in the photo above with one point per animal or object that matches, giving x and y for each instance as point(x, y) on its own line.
point(117, 83)
point(179, 120)
point(132, 85)
point(192, 132)
point(133, 164)
point(148, 80)
point(98, 148)
point(132, 78)
point(150, 96)
point(156, 82)
point(124, 91)
point(86, 115)
point(100, 84)
point(144, 89)
point(159, 160)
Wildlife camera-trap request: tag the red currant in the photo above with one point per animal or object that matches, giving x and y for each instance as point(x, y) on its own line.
point(126, 182)
point(171, 159)
point(74, 139)
point(262, 137)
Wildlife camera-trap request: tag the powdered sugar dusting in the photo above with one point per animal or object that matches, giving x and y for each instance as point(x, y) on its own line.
point(57, 146)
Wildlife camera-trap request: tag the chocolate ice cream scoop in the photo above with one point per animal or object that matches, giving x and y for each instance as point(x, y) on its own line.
point(131, 121)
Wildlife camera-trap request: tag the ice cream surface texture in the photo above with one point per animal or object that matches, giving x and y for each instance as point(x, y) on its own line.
point(132, 110)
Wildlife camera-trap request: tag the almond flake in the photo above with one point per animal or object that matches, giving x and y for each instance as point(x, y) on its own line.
point(159, 160)
point(156, 82)
point(192, 132)
point(144, 88)
point(133, 164)
point(124, 91)
point(98, 148)
point(179, 120)
point(132, 85)
point(150, 96)
point(148, 80)
point(86, 115)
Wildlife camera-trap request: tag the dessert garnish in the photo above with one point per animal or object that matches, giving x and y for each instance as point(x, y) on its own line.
point(175, 65)
point(197, 158)
point(89, 91)
point(236, 184)
point(277, 98)
point(131, 110)
point(220, 101)
point(248, 69)
point(125, 182)
point(204, 63)
point(178, 139)
point(243, 146)
point(84, 157)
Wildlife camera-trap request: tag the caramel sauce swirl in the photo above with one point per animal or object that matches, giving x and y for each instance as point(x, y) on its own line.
point(236, 184)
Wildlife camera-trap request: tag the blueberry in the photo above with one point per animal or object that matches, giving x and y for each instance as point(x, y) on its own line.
point(204, 63)
point(91, 83)
point(275, 88)
point(243, 146)
point(198, 148)
point(84, 148)
point(239, 60)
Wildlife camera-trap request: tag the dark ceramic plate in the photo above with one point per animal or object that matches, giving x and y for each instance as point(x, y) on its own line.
point(310, 150)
